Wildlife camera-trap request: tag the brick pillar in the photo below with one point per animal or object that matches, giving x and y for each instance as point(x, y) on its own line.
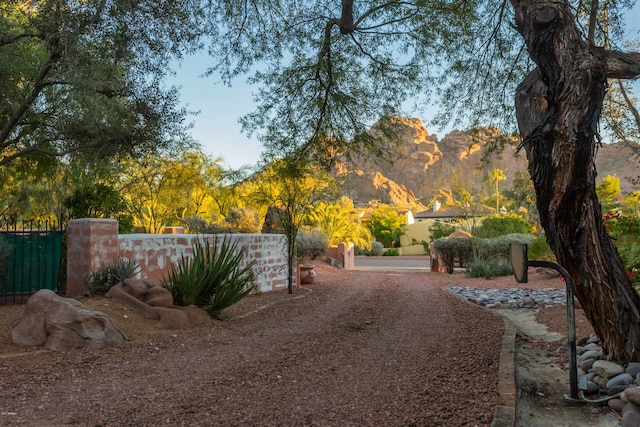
point(345, 256)
point(92, 242)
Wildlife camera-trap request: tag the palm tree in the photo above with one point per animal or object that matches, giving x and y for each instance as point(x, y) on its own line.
point(497, 175)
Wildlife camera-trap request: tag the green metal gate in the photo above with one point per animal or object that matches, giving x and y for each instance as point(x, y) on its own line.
point(31, 258)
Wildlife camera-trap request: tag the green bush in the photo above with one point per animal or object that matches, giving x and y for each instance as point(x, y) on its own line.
point(391, 252)
point(540, 250)
point(462, 248)
point(499, 225)
point(377, 249)
point(455, 248)
point(439, 230)
point(243, 221)
point(212, 278)
point(197, 225)
point(311, 242)
point(481, 268)
point(99, 282)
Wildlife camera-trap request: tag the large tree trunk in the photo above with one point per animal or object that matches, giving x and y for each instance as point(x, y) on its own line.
point(558, 108)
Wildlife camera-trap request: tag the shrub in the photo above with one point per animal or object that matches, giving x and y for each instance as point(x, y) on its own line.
point(540, 250)
point(462, 248)
point(243, 220)
point(481, 268)
point(197, 225)
point(439, 230)
point(377, 249)
point(212, 278)
point(311, 242)
point(450, 249)
point(99, 282)
point(391, 252)
point(499, 225)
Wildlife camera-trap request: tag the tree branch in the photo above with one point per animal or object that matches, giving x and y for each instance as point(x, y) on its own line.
point(4, 42)
point(622, 65)
point(35, 149)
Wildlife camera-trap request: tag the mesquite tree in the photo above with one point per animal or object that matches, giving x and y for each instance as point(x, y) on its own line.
point(558, 109)
point(331, 66)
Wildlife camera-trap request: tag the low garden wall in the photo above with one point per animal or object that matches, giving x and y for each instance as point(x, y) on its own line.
point(344, 254)
point(96, 242)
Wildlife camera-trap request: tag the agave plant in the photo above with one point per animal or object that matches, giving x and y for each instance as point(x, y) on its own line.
point(100, 281)
point(211, 278)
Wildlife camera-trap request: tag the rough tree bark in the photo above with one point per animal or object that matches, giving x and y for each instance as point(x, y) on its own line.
point(558, 107)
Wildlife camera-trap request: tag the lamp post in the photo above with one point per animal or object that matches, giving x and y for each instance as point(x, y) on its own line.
point(520, 264)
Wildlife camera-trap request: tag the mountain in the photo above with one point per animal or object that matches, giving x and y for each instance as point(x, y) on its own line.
point(421, 168)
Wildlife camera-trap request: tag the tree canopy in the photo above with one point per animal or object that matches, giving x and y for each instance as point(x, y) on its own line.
point(88, 75)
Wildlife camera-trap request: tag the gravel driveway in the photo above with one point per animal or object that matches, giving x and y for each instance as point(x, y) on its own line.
point(355, 349)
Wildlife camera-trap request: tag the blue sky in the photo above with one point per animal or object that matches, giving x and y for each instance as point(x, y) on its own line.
point(216, 126)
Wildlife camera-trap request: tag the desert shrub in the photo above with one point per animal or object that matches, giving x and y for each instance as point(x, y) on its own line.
point(481, 267)
point(499, 225)
point(450, 249)
point(243, 221)
point(197, 225)
point(391, 252)
point(100, 281)
point(540, 250)
point(311, 242)
point(464, 248)
point(438, 230)
point(377, 249)
point(500, 247)
point(211, 278)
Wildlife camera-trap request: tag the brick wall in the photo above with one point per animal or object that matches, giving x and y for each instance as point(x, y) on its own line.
point(93, 242)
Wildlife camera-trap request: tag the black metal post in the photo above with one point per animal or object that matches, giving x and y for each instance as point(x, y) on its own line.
point(571, 326)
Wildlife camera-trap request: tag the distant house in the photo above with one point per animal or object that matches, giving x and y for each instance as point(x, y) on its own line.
point(445, 215)
point(448, 214)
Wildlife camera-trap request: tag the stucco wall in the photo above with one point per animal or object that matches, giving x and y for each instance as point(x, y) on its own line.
point(96, 242)
point(157, 252)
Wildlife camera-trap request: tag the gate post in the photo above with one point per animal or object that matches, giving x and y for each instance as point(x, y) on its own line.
point(92, 242)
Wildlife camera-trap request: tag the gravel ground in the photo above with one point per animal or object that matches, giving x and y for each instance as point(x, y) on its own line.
point(354, 349)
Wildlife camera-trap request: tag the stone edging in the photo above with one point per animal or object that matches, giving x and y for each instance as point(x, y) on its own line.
point(504, 414)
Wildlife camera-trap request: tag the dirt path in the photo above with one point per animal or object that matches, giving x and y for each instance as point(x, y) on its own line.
point(358, 349)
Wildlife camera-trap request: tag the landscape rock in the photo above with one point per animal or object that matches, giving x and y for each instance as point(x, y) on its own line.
point(59, 324)
point(607, 369)
point(631, 419)
point(633, 369)
point(153, 301)
point(622, 379)
point(632, 394)
point(616, 404)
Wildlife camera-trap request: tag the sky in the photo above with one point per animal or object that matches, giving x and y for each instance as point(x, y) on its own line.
point(216, 125)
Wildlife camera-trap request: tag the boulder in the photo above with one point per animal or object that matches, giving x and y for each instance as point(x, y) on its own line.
point(153, 301)
point(59, 324)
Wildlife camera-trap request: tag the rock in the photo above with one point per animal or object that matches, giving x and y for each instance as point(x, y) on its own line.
point(593, 339)
point(622, 379)
point(630, 407)
point(617, 389)
point(631, 419)
point(607, 369)
point(587, 364)
point(152, 301)
point(592, 388)
point(592, 354)
point(633, 369)
point(616, 404)
point(59, 323)
point(632, 394)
